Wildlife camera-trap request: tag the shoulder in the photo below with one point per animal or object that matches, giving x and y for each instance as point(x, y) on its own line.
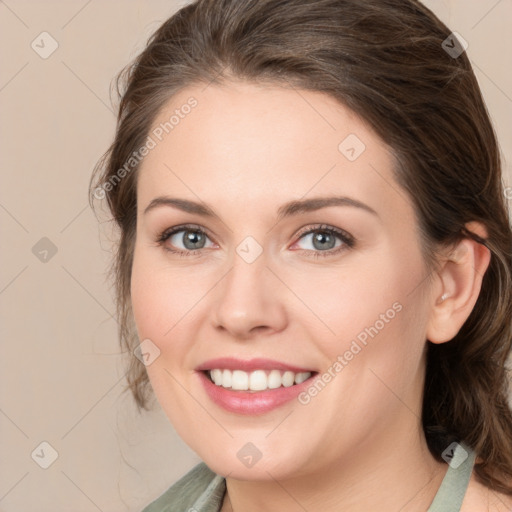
point(480, 498)
point(199, 484)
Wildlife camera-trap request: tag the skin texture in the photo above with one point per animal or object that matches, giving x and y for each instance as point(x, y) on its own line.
point(245, 150)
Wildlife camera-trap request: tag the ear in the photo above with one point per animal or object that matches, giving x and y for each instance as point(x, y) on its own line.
point(458, 285)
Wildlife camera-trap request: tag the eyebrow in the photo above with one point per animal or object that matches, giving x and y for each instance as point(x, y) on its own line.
point(287, 210)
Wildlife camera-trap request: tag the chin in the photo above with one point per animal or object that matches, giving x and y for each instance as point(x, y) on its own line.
point(240, 466)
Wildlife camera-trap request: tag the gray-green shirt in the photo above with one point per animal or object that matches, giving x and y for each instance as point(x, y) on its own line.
point(201, 490)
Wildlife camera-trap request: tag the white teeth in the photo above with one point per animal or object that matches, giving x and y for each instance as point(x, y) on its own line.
point(274, 379)
point(257, 380)
point(226, 379)
point(239, 380)
point(288, 379)
point(301, 377)
point(217, 377)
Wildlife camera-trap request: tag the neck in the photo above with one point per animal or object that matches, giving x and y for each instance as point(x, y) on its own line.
point(390, 472)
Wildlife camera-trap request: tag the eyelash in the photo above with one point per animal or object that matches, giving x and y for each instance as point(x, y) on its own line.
point(347, 239)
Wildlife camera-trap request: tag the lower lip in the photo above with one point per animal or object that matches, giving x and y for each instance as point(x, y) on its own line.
point(252, 403)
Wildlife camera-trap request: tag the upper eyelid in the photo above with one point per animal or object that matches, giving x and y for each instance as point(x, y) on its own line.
point(187, 227)
point(324, 227)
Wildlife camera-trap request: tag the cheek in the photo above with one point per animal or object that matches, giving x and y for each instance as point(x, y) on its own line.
point(160, 296)
point(154, 305)
point(148, 299)
point(168, 307)
point(376, 322)
point(160, 301)
point(380, 320)
point(361, 300)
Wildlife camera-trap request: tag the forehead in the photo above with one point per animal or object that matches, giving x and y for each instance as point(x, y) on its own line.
point(261, 144)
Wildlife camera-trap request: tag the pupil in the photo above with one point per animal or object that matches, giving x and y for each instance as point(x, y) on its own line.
point(194, 239)
point(323, 237)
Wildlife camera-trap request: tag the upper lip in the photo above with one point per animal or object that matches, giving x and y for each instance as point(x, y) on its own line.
point(230, 363)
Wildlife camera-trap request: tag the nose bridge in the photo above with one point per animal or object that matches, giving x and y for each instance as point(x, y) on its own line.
point(248, 272)
point(247, 298)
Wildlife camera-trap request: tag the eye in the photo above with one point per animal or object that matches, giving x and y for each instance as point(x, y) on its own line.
point(325, 240)
point(188, 240)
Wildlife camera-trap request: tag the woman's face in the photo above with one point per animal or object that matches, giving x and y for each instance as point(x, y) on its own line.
point(336, 288)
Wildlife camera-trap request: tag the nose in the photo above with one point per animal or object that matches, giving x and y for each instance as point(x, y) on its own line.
point(249, 300)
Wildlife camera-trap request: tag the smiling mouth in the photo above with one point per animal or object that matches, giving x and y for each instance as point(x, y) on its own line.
point(257, 380)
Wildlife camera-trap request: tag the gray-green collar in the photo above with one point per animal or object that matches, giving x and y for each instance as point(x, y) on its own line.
point(450, 495)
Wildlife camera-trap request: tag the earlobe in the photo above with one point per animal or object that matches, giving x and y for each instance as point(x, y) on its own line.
point(460, 282)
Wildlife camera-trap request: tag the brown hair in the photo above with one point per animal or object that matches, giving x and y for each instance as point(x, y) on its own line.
point(386, 61)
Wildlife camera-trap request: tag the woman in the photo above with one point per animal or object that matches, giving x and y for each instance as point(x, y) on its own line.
point(314, 263)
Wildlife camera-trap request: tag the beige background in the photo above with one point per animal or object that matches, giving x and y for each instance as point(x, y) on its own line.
point(61, 371)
